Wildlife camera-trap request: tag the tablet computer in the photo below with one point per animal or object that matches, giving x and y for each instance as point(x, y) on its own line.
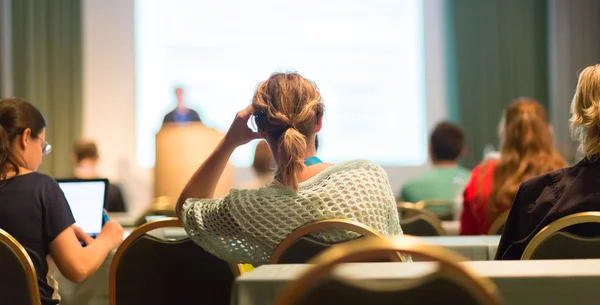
point(86, 198)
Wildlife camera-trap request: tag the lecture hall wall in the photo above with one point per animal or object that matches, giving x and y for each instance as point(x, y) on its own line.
point(109, 93)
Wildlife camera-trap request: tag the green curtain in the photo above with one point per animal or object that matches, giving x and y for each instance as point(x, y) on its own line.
point(496, 52)
point(47, 68)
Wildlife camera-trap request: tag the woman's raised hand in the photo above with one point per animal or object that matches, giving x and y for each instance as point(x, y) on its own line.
point(239, 133)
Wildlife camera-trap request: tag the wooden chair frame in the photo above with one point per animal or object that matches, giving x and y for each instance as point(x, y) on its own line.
point(237, 269)
point(318, 226)
point(556, 226)
point(481, 288)
point(25, 260)
point(498, 223)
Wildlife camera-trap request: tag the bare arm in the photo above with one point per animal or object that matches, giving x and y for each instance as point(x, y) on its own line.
point(204, 181)
point(75, 262)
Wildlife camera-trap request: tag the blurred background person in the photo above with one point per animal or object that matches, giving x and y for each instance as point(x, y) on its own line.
point(181, 113)
point(263, 166)
point(446, 147)
point(85, 157)
point(527, 150)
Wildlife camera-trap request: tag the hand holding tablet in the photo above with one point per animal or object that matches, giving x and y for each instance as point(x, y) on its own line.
point(86, 198)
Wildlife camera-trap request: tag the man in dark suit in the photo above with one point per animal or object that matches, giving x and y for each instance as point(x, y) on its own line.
point(181, 114)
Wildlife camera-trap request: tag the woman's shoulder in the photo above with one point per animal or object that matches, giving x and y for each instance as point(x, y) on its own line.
point(34, 184)
point(547, 180)
point(33, 179)
point(358, 168)
point(357, 164)
point(486, 165)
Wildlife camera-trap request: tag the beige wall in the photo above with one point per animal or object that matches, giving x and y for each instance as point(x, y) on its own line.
point(109, 95)
point(109, 92)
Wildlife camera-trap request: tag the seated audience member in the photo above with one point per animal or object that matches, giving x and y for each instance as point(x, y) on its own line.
point(33, 208)
point(546, 198)
point(263, 165)
point(245, 226)
point(526, 151)
point(85, 155)
point(446, 146)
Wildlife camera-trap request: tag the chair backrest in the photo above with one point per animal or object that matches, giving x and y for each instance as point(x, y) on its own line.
point(162, 206)
point(18, 279)
point(451, 283)
point(552, 242)
point(299, 247)
point(419, 222)
point(497, 226)
point(442, 209)
point(148, 270)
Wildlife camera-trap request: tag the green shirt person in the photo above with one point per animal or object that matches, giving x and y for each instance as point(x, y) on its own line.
point(446, 180)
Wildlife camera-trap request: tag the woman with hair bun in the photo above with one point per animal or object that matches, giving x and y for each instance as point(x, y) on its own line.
point(246, 225)
point(546, 198)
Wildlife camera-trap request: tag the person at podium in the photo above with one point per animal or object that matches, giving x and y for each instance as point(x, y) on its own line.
point(181, 114)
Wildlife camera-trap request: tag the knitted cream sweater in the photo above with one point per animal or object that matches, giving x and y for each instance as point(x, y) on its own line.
point(246, 225)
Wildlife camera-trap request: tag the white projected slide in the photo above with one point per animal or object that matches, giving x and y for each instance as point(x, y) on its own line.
point(86, 200)
point(366, 56)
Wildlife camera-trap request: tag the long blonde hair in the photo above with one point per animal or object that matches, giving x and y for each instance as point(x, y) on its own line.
point(287, 107)
point(585, 112)
point(527, 151)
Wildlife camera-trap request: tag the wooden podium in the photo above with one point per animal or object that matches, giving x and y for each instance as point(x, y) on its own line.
point(180, 150)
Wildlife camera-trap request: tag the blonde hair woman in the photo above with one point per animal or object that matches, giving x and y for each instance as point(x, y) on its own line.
point(546, 198)
point(246, 225)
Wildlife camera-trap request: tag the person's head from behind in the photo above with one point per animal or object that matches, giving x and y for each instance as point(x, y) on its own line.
point(288, 112)
point(524, 129)
point(527, 150)
point(85, 152)
point(585, 112)
point(263, 159)
point(22, 137)
point(446, 143)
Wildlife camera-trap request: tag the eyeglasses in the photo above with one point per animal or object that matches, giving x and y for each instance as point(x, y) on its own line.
point(46, 148)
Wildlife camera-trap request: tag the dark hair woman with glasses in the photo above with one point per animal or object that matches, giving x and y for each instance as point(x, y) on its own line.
point(33, 209)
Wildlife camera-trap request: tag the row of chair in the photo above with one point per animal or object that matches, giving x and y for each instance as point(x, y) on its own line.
point(451, 283)
point(417, 220)
point(148, 270)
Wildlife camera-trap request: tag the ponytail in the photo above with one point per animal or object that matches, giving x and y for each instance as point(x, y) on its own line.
point(289, 158)
point(288, 107)
point(6, 160)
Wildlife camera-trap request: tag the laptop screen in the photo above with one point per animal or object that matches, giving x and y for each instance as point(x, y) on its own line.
point(86, 199)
